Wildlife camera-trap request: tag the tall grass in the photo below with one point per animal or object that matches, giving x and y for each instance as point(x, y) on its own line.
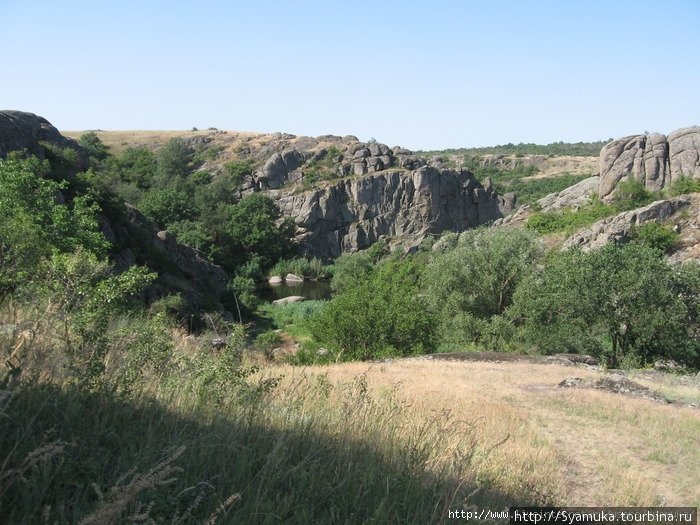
point(206, 440)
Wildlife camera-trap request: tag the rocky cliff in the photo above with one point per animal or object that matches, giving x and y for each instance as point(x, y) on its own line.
point(654, 159)
point(682, 211)
point(405, 204)
point(26, 131)
point(134, 238)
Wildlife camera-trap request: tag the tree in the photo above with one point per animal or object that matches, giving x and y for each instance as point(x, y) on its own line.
point(168, 206)
point(93, 145)
point(173, 161)
point(252, 229)
point(621, 302)
point(138, 166)
point(480, 275)
point(382, 315)
point(36, 221)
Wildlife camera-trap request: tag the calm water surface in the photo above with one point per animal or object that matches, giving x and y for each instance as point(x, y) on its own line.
point(312, 290)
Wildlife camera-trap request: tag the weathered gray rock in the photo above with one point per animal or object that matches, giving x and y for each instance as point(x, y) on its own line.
point(26, 131)
point(656, 167)
point(619, 159)
point(353, 214)
point(576, 195)
point(278, 168)
point(359, 168)
point(275, 279)
point(291, 278)
point(652, 159)
point(289, 300)
point(684, 152)
point(617, 229)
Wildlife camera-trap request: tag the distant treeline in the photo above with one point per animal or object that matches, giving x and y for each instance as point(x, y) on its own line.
point(584, 149)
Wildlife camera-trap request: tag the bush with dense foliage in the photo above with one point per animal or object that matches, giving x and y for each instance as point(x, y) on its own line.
point(615, 302)
point(379, 316)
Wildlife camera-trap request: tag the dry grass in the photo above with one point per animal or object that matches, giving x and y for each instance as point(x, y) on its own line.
point(582, 447)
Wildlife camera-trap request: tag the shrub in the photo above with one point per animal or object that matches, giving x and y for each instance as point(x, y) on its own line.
point(35, 222)
point(384, 315)
point(137, 166)
point(615, 301)
point(655, 236)
point(93, 145)
point(168, 206)
point(631, 193)
point(238, 170)
point(684, 184)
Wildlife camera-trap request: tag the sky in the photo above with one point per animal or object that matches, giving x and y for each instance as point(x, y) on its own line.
point(423, 75)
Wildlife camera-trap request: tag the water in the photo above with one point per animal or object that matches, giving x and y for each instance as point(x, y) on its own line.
point(312, 290)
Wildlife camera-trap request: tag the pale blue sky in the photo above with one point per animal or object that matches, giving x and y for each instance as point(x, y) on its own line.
point(444, 74)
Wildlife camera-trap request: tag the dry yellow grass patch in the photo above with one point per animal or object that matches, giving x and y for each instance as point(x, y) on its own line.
point(575, 446)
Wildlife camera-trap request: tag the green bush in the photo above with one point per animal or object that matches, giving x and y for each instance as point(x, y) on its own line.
point(93, 145)
point(615, 301)
point(656, 236)
point(168, 206)
point(569, 220)
point(137, 166)
point(238, 170)
point(630, 194)
point(683, 185)
point(382, 316)
point(35, 222)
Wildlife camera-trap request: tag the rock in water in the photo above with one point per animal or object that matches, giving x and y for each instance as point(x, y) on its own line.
point(289, 300)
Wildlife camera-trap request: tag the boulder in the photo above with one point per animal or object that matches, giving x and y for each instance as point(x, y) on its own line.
point(684, 152)
point(619, 159)
point(289, 300)
point(275, 279)
point(654, 159)
point(20, 131)
point(617, 229)
point(291, 278)
point(576, 195)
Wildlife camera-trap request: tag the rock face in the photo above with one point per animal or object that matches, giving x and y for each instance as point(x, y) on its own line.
point(26, 131)
point(352, 214)
point(134, 238)
point(181, 269)
point(617, 229)
point(654, 159)
point(576, 195)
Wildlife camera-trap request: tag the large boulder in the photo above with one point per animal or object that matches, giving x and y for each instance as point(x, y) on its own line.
point(653, 159)
point(26, 131)
point(617, 229)
point(576, 195)
point(684, 152)
point(619, 159)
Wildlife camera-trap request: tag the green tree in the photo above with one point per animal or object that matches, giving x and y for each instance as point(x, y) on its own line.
point(616, 301)
point(479, 276)
point(383, 315)
point(93, 145)
point(168, 206)
point(253, 229)
point(173, 161)
point(36, 221)
point(138, 166)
